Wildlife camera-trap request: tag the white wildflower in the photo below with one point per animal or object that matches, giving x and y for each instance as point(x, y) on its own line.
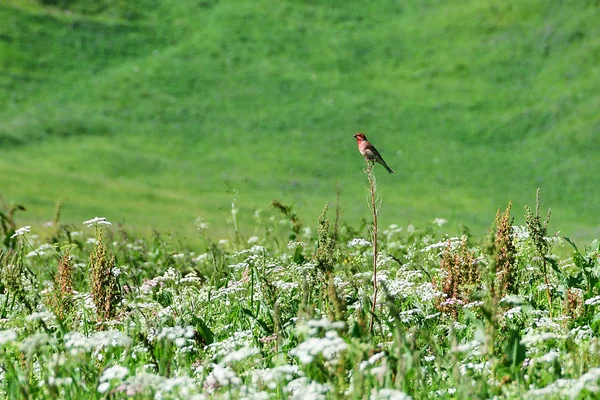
point(467, 347)
point(182, 387)
point(537, 338)
point(292, 244)
point(253, 240)
point(37, 341)
point(440, 221)
point(40, 251)
point(40, 316)
point(202, 257)
point(7, 336)
point(241, 354)
point(549, 357)
point(329, 347)
point(176, 334)
point(21, 231)
point(221, 376)
point(588, 382)
point(409, 315)
point(142, 381)
point(452, 241)
point(593, 301)
point(77, 343)
point(478, 367)
point(235, 341)
point(581, 333)
point(547, 323)
point(191, 277)
point(513, 300)
point(513, 312)
point(103, 387)
point(388, 394)
point(271, 377)
point(285, 286)
point(324, 323)
point(303, 388)
point(390, 232)
point(256, 249)
point(114, 373)
point(359, 242)
point(571, 388)
point(97, 221)
point(201, 224)
point(555, 388)
point(432, 316)
point(474, 304)
point(372, 360)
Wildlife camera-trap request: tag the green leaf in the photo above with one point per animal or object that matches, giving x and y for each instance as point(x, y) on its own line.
point(205, 333)
point(298, 257)
point(514, 351)
point(259, 321)
point(559, 273)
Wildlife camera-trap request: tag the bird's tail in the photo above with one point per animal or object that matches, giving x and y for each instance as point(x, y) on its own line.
point(391, 171)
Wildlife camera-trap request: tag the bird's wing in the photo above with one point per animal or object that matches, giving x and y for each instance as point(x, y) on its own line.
point(375, 152)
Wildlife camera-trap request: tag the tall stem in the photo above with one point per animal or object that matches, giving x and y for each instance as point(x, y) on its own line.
point(373, 193)
point(548, 296)
point(337, 213)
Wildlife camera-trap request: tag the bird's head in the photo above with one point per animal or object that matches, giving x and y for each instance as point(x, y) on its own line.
point(360, 137)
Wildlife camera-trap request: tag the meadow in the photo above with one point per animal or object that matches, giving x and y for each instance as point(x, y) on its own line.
point(93, 312)
point(152, 113)
point(185, 215)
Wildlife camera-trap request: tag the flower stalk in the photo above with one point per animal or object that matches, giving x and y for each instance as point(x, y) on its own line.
point(370, 171)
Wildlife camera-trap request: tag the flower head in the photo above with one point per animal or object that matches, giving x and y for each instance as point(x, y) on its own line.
point(358, 242)
point(201, 224)
point(21, 231)
point(440, 221)
point(96, 221)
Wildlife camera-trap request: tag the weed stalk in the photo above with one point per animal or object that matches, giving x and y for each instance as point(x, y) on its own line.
point(538, 232)
point(370, 171)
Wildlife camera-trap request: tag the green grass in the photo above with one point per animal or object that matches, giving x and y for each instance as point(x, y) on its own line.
point(148, 112)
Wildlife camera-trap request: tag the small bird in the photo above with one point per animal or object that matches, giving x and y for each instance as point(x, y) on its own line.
point(369, 151)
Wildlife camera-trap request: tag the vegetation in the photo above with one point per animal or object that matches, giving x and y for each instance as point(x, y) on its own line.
point(156, 113)
point(98, 313)
point(140, 110)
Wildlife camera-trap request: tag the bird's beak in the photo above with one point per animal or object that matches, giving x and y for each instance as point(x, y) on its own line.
point(355, 135)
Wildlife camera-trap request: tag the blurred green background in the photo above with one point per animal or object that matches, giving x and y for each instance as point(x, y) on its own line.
point(150, 112)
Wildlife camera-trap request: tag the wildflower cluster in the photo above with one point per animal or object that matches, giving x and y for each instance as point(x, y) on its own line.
point(280, 315)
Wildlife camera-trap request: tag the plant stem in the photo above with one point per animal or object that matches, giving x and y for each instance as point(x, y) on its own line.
point(373, 192)
point(547, 285)
point(337, 213)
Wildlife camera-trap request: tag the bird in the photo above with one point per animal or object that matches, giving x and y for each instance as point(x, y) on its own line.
point(370, 152)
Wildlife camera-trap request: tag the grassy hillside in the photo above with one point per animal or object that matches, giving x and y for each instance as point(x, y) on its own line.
point(147, 112)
